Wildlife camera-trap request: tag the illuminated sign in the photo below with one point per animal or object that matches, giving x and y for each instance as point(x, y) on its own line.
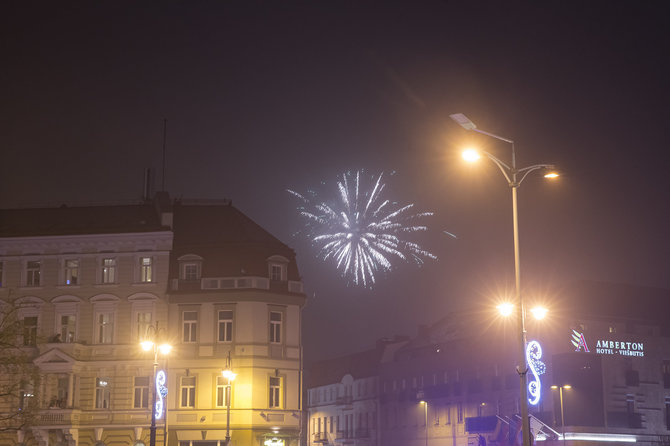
point(608, 346)
point(579, 341)
point(161, 393)
point(537, 368)
point(273, 442)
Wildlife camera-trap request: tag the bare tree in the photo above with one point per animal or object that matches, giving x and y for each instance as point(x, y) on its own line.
point(19, 377)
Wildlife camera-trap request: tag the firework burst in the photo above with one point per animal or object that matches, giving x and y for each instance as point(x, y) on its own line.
point(362, 232)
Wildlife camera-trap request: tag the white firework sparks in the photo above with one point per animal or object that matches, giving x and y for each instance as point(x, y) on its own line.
point(362, 232)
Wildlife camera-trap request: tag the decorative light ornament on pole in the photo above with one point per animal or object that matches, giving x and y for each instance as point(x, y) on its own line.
point(514, 177)
point(149, 343)
point(230, 376)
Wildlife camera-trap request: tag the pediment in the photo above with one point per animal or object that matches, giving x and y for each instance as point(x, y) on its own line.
point(54, 357)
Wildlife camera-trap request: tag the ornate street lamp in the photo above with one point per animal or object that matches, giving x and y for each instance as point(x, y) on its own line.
point(230, 376)
point(514, 177)
point(151, 343)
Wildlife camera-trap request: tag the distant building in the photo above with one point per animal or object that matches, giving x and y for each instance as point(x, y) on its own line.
point(343, 397)
point(91, 282)
point(456, 383)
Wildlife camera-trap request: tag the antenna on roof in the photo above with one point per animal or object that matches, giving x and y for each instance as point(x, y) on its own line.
point(164, 144)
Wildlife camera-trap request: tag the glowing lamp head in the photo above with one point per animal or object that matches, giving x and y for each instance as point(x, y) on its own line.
point(229, 374)
point(165, 348)
point(147, 345)
point(539, 312)
point(551, 174)
point(505, 309)
point(471, 155)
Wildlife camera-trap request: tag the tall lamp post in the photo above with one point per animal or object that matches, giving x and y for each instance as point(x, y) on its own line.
point(514, 177)
point(230, 376)
point(560, 394)
point(151, 343)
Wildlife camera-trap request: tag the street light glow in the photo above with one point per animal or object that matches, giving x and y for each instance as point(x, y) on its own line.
point(552, 174)
point(165, 348)
point(539, 312)
point(505, 309)
point(471, 155)
point(147, 345)
point(229, 374)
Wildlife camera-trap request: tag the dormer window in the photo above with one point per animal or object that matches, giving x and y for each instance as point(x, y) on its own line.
point(277, 266)
point(190, 267)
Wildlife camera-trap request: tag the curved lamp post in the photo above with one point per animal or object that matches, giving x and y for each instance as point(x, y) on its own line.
point(514, 177)
point(230, 376)
point(425, 414)
point(151, 343)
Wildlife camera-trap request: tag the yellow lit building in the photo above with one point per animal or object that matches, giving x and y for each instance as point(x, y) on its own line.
point(89, 283)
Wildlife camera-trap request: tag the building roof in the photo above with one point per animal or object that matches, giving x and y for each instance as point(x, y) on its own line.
point(66, 220)
point(230, 243)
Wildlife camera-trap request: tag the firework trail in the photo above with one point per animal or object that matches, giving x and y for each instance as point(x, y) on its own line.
point(362, 232)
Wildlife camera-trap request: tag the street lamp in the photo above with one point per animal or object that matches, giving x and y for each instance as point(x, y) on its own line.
point(560, 393)
point(425, 414)
point(151, 343)
point(230, 376)
point(514, 177)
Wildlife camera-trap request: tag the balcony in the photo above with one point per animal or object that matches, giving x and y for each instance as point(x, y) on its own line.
point(58, 417)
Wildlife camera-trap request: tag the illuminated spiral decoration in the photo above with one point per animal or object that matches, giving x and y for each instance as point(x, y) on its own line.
point(161, 392)
point(537, 368)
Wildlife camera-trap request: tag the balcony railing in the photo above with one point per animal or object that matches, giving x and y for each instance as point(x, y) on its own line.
point(50, 417)
point(344, 400)
point(320, 437)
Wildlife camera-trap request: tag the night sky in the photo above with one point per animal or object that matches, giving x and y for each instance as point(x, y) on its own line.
point(264, 96)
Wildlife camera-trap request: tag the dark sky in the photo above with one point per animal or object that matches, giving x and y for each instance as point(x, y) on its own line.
point(264, 96)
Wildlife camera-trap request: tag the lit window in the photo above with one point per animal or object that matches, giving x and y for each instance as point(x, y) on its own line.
point(105, 328)
point(141, 392)
point(72, 272)
point(33, 273)
point(275, 392)
point(190, 326)
point(222, 392)
point(275, 327)
point(67, 328)
point(30, 331)
point(102, 396)
point(146, 269)
point(109, 270)
point(187, 387)
point(225, 325)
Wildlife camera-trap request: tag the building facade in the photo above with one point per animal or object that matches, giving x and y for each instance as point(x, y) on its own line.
point(605, 353)
point(89, 283)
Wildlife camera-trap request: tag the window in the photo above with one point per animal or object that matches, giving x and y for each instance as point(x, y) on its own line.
point(102, 393)
point(225, 325)
point(1, 270)
point(190, 321)
point(275, 327)
point(146, 269)
point(30, 331)
point(275, 392)
point(67, 328)
point(667, 413)
point(190, 271)
point(33, 273)
point(187, 390)
point(109, 270)
point(143, 323)
point(222, 392)
point(276, 272)
point(630, 403)
point(105, 328)
point(141, 392)
point(72, 272)
point(459, 409)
